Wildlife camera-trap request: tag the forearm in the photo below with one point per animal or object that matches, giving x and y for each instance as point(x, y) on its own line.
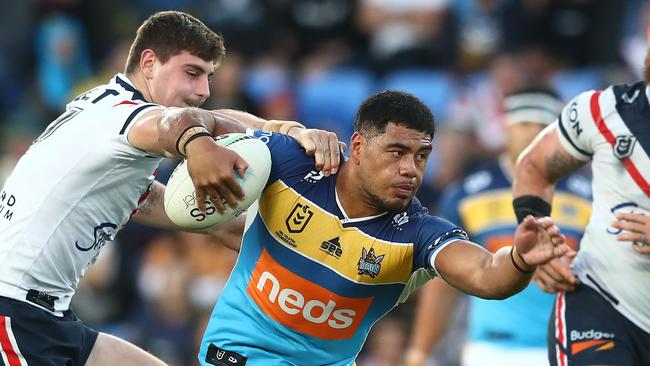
point(500, 279)
point(475, 271)
point(256, 123)
point(151, 212)
point(177, 126)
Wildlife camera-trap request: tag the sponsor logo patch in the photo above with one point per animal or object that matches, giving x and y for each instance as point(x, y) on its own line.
point(302, 305)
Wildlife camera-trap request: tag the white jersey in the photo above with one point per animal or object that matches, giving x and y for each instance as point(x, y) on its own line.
point(70, 193)
point(612, 129)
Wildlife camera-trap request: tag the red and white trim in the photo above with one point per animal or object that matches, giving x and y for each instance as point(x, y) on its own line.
point(560, 330)
point(609, 136)
point(9, 351)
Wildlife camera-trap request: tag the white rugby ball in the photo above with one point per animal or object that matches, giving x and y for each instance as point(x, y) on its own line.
point(180, 196)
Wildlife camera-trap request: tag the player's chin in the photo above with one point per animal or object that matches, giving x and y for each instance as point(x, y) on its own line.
point(398, 204)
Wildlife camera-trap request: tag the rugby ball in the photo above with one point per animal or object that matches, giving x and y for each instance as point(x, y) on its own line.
point(180, 196)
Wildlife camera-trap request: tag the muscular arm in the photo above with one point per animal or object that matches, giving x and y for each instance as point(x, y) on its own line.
point(542, 164)
point(475, 271)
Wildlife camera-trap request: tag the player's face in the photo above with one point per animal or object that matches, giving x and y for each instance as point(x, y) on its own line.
point(392, 166)
point(182, 81)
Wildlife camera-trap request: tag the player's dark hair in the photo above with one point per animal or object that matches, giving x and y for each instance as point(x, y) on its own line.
point(168, 33)
point(398, 107)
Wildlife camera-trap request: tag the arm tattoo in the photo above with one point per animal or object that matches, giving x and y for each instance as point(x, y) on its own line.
point(561, 164)
point(147, 207)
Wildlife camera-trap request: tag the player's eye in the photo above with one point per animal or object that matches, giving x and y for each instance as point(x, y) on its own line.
point(192, 75)
point(395, 153)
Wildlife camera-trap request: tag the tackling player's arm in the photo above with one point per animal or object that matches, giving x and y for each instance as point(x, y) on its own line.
point(542, 164)
point(472, 269)
point(187, 132)
point(538, 168)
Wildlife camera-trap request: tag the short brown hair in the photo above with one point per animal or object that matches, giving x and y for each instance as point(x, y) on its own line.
point(168, 33)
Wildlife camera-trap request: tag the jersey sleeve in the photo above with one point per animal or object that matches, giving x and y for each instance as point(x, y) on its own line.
point(288, 158)
point(433, 234)
point(576, 128)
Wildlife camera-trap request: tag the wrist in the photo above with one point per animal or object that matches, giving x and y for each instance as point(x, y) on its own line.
point(190, 134)
point(530, 205)
point(519, 262)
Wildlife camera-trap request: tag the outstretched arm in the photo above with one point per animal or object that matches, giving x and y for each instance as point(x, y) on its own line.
point(475, 271)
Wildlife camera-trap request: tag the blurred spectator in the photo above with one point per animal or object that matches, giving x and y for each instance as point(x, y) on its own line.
point(479, 31)
point(62, 58)
point(635, 44)
point(406, 33)
point(475, 129)
point(227, 87)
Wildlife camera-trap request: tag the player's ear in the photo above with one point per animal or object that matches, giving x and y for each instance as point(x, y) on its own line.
point(357, 144)
point(147, 62)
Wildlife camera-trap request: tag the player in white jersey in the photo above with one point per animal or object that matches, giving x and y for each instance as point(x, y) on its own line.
point(93, 169)
point(606, 320)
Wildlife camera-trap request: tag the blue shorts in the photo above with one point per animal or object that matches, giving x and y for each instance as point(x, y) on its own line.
point(586, 329)
point(29, 334)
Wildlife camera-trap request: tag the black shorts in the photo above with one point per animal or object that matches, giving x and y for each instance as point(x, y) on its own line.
point(586, 329)
point(29, 335)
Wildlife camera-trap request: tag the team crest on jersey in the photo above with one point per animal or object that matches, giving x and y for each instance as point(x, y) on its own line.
point(624, 146)
point(299, 218)
point(370, 263)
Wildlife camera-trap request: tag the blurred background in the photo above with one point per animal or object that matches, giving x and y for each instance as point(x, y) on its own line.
point(313, 61)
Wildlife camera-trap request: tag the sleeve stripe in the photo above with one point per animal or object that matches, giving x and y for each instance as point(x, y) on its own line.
point(133, 114)
point(432, 256)
point(566, 136)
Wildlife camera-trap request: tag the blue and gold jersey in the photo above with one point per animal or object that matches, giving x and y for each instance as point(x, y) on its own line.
point(310, 282)
point(482, 204)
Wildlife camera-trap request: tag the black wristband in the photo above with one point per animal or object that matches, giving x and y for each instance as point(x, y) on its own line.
point(191, 138)
point(514, 263)
point(530, 205)
point(180, 137)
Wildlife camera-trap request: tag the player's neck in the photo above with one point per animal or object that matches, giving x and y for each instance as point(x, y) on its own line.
point(140, 84)
point(351, 196)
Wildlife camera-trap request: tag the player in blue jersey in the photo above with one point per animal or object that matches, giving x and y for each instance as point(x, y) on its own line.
point(324, 257)
point(512, 331)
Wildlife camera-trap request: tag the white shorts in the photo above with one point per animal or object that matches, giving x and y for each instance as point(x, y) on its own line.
point(485, 354)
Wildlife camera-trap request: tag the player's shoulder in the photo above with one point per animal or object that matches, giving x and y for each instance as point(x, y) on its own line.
point(289, 161)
